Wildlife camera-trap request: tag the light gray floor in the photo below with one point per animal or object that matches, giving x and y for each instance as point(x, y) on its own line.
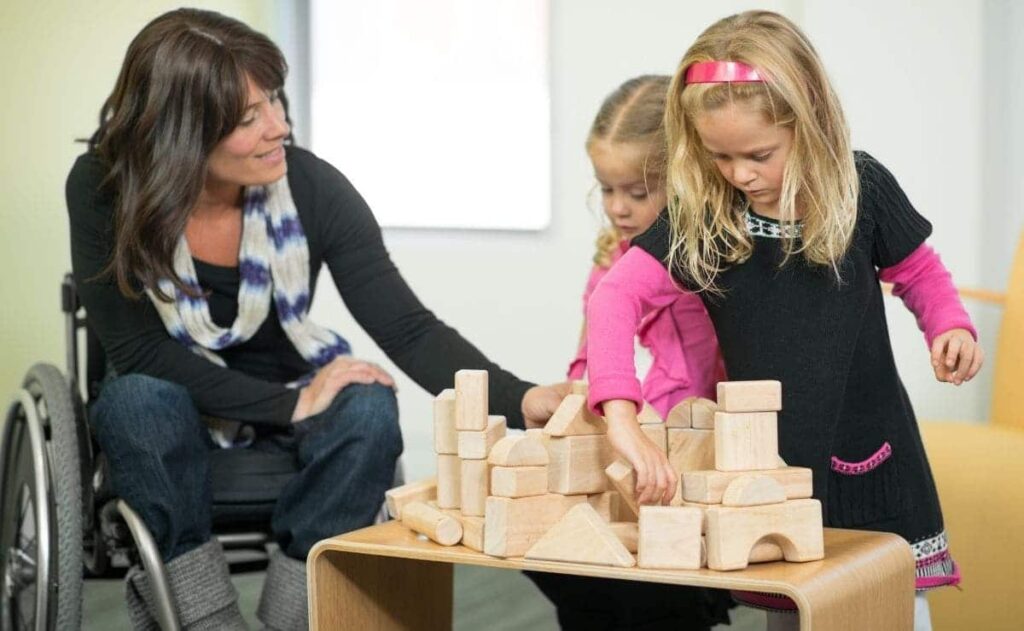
point(485, 598)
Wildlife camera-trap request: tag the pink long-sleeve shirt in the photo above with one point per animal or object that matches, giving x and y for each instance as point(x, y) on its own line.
point(682, 343)
point(642, 287)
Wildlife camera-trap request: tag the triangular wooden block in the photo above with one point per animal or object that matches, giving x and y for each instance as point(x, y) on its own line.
point(572, 418)
point(582, 537)
point(648, 415)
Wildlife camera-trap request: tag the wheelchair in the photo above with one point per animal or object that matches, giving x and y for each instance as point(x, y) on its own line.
point(60, 522)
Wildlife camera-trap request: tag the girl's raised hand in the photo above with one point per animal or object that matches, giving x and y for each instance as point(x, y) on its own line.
point(956, 357)
point(655, 478)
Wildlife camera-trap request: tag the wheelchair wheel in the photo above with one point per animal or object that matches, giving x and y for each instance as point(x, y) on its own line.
point(40, 500)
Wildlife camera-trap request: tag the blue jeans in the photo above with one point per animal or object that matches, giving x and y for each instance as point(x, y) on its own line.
point(158, 451)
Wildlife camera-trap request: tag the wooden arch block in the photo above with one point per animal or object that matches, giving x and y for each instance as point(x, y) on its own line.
point(795, 526)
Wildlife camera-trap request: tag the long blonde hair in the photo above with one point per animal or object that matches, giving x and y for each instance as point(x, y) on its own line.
point(820, 178)
point(634, 113)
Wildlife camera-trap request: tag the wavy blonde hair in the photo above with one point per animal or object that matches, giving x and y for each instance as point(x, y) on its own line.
point(634, 113)
point(820, 179)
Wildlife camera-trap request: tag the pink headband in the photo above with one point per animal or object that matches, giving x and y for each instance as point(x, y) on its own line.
point(721, 72)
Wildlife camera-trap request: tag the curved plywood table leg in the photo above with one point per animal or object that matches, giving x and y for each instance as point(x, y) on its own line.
point(384, 577)
point(371, 593)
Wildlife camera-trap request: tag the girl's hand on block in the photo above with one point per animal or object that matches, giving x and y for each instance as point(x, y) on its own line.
point(956, 357)
point(332, 379)
point(655, 478)
point(540, 402)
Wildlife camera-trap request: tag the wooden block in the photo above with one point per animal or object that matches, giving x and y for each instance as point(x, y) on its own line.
point(471, 400)
point(657, 433)
point(519, 481)
point(446, 439)
point(477, 445)
point(708, 487)
point(623, 478)
point(753, 490)
point(581, 536)
point(472, 528)
point(431, 522)
point(449, 481)
point(702, 413)
point(628, 533)
point(794, 525)
point(572, 418)
point(669, 537)
point(679, 416)
point(519, 451)
point(746, 441)
point(702, 508)
point(475, 483)
point(577, 464)
point(579, 386)
point(763, 552)
point(604, 504)
point(648, 415)
point(514, 524)
point(691, 449)
point(749, 396)
point(421, 491)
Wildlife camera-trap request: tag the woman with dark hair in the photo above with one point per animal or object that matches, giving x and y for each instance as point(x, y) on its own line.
point(197, 234)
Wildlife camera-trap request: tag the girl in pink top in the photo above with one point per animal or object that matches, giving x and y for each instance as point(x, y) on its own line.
point(626, 146)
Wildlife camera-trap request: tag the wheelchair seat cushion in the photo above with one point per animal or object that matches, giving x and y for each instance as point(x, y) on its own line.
point(246, 484)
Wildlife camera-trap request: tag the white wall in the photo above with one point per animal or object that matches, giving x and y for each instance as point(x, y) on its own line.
point(517, 296)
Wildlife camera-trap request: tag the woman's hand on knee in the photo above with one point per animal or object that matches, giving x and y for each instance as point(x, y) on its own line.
point(332, 379)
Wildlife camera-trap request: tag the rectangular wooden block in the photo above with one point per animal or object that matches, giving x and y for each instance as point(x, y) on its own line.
point(420, 491)
point(513, 525)
point(708, 487)
point(472, 529)
point(657, 433)
point(519, 481)
point(669, 537)
point(476, 445)
point(449, 481)
point(577, 464)
point(750, 396)
point(732, 532)
point(746, 441)
point(475, 479)
point(471, 400)
point(623, 478)
point(446, 439)
point(690, 450)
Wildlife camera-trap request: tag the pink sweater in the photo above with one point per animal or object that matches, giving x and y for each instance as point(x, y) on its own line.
point(640, 285)
point(681, 340)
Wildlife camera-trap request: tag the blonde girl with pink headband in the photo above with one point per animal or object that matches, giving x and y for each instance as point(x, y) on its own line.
point(785, 231)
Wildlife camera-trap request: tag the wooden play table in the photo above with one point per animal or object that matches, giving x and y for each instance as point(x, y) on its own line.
point(385, 578)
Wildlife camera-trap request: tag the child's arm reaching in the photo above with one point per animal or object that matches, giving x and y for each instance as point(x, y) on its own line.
point(637, 284)
point(926, 288)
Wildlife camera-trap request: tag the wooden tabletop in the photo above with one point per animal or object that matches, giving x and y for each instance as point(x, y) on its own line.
point(862, 572)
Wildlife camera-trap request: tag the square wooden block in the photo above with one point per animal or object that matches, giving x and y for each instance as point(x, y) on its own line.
point(669, 537)
point(746, 441)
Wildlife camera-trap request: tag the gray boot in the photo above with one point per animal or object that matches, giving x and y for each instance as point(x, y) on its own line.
point(283, 603)
point(204, 597)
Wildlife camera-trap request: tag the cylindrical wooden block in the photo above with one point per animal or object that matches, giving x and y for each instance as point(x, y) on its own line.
point(432, 522)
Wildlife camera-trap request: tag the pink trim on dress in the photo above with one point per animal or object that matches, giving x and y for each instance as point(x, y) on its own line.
point(862, 467)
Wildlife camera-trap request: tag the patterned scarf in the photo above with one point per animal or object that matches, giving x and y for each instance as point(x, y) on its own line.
point(273, 259)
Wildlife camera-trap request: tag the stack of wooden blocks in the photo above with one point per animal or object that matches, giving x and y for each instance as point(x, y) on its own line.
point(544, 495)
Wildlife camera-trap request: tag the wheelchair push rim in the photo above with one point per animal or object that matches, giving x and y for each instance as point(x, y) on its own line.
point(25, 555)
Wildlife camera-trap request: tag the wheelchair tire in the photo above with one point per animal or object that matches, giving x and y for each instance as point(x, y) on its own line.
point(54, 407)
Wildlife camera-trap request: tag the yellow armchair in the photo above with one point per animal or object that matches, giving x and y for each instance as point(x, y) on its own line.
point(979, 471)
